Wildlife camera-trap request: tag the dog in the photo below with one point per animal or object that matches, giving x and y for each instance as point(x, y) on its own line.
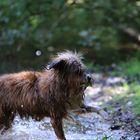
point(50, 93)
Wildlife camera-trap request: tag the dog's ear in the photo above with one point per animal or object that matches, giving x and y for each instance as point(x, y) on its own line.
point(56, 64)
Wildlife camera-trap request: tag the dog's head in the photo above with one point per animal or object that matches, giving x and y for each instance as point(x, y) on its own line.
point(69, 65)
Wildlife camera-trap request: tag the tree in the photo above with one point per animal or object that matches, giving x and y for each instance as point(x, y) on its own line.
point(95, 27)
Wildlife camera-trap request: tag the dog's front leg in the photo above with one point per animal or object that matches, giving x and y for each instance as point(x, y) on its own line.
point(57, 126)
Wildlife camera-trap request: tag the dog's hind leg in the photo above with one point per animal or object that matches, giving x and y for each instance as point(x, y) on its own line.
point(1, 120)
point(6, 119)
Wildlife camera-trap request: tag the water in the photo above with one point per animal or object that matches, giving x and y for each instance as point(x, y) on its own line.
point(87, 127)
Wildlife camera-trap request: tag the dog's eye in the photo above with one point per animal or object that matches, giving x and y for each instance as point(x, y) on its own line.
point(78, 72)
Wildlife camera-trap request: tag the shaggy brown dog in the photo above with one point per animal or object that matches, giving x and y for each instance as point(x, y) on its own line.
point(51, 93)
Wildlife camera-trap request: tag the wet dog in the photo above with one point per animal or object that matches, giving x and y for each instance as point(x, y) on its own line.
point(50, 93)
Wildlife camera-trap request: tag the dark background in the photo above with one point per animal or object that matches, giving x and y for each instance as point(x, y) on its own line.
point(105, 31)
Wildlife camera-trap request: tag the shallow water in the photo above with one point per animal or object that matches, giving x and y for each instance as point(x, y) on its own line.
point(87, 127)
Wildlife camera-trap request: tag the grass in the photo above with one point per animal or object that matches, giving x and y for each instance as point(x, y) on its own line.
point(131, 68)
point(129, 98)
point(131, 88)
point(135, 98)
point(131, 91)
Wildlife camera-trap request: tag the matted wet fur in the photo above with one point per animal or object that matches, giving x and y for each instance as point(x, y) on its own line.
point(51, 92)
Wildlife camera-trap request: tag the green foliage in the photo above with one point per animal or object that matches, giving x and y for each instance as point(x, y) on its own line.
point(106, 137)
point(129, 97)
point(49, 26)
point(135, 98)
point(131, 68)
point(131, 88)
point(127, 94)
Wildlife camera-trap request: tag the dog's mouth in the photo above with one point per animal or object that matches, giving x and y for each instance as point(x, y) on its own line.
point(83, 86)
point(86, 83)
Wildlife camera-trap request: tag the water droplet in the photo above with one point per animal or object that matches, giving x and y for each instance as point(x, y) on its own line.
point(38, 53)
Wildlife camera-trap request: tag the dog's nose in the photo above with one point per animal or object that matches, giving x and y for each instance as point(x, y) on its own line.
point(89, 79)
